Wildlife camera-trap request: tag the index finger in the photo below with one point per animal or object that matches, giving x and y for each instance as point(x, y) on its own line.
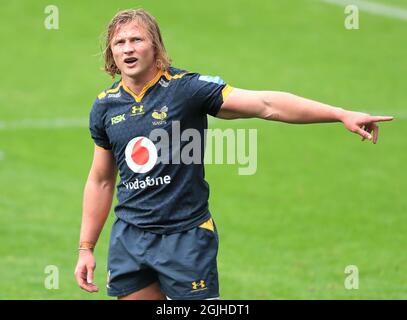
point(380, 118)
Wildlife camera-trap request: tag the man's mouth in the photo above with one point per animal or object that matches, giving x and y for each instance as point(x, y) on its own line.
point(130, 62)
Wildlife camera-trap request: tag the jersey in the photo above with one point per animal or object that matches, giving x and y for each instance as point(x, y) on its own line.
point(157, 191)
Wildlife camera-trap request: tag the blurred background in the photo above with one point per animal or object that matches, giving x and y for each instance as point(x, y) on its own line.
point(320, 200)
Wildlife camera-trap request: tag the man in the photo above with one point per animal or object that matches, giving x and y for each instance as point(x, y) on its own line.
point(164, 242)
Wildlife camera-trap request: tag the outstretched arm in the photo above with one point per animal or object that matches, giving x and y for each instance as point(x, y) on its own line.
point(286, 107)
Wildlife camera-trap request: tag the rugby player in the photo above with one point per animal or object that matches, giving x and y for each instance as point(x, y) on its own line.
point(164, 242)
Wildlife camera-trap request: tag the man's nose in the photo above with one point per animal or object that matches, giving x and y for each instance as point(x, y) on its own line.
point(128, 47)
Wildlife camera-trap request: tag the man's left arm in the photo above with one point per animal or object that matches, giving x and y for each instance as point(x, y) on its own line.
point(286, 107)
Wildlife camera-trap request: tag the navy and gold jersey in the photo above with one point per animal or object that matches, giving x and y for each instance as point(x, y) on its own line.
point(158, 191)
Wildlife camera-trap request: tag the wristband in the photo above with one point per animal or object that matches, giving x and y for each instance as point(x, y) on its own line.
point(83, 245)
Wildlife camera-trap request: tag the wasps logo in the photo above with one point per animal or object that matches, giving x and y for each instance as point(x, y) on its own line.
point(161, 114)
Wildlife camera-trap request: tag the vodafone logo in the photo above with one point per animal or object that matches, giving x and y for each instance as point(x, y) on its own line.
point(141, 154)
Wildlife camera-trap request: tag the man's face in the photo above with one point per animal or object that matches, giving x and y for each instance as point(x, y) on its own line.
point(132, 49)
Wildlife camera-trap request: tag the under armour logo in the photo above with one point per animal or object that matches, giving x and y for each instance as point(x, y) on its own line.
point(137, 110)
point(201, 284)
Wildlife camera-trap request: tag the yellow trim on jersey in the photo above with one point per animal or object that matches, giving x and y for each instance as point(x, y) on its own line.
point(105, 93)
point(102, 95)
point(225, 91)
point(143, 91)
point(177, 76)
point(147, 86)
point(208, 225)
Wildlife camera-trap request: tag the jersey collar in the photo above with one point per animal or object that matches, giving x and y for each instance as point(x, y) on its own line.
point(143, 91)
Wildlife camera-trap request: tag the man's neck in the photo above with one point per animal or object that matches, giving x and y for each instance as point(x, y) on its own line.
point(137, 84)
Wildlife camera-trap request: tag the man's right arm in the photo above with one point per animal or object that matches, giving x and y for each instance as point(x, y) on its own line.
point(97, 201)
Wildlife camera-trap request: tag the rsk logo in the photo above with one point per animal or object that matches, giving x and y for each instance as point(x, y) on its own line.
point(141, 154)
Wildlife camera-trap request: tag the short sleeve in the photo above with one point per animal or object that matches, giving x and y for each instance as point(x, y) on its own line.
point(207, 91)
point(97, 127)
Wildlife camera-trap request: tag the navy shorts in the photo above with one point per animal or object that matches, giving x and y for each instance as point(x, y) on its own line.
point(183, 263)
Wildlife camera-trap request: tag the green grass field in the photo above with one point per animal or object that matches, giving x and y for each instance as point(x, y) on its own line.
point(320, 199)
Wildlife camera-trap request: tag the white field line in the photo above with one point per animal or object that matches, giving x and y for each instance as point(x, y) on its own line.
point(44, 123)
point(61, 123)
point(374, 8)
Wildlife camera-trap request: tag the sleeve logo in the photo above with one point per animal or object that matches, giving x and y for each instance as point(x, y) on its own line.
point(216, 79)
